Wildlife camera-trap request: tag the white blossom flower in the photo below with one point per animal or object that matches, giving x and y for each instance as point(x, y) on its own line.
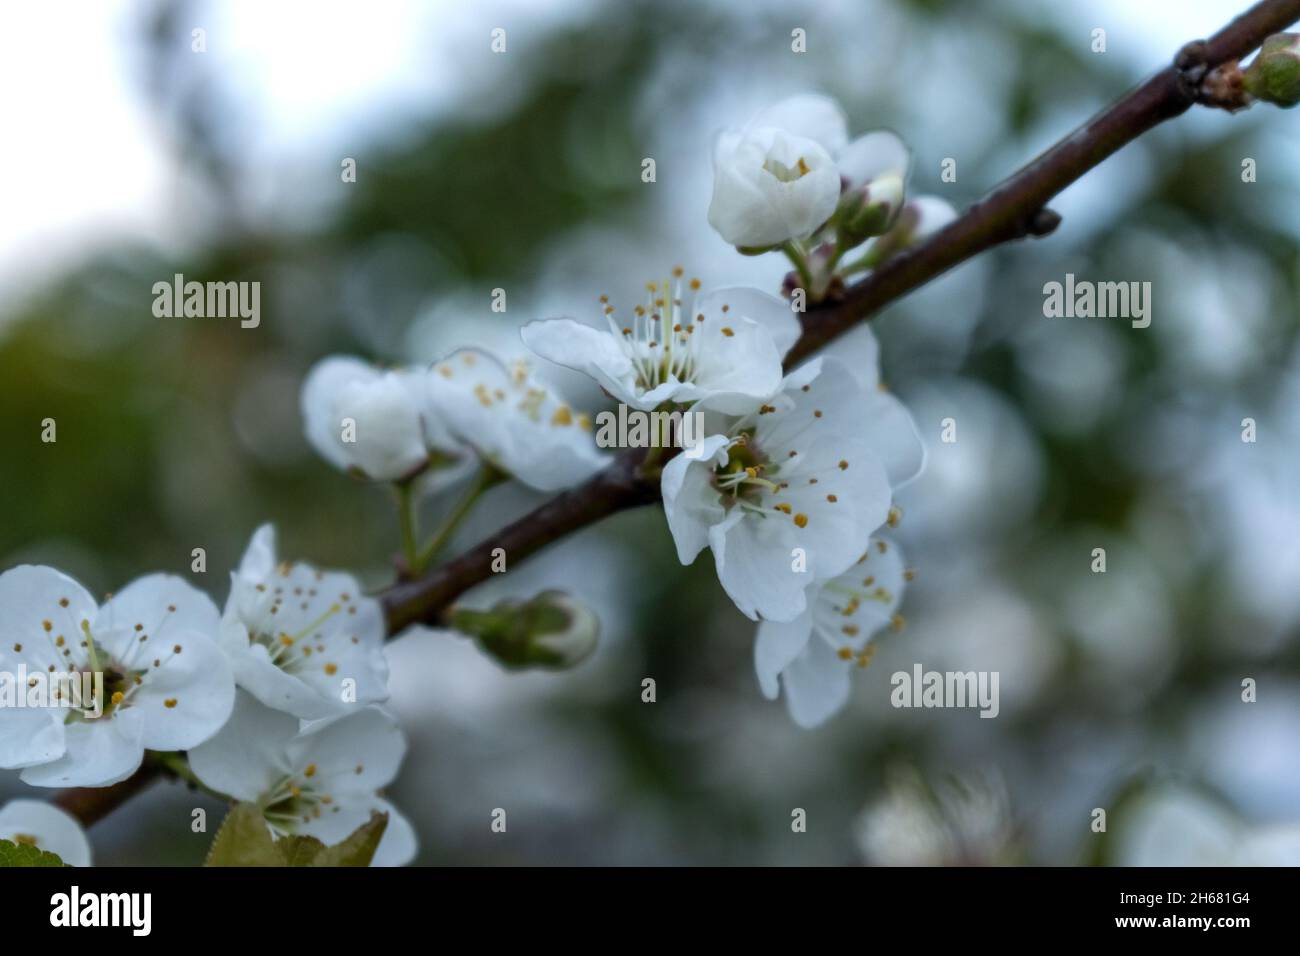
point(812, 655)
point(47, 828)
point(790, 493)
point(725, 345)
point(301, 640)
point(514, 421)
point(165, 683)
point(322, 780)
point(781, 177)
point(775, 179)
point(374, 423)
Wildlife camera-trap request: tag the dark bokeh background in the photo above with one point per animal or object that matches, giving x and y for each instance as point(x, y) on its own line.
point(522, 171)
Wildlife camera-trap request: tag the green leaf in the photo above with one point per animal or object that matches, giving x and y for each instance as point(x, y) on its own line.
point(245, 840)
point(25, 854)
point(358, 849)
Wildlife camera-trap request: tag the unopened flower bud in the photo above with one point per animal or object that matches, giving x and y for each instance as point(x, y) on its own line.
point(551, 630)
point(870, 209)
point(921, 218)
point(1274, 76)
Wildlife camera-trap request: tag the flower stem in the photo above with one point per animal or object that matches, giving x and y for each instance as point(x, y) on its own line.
point(796, 255)
point(869, 260)
point(408, 524)
point(486, 478)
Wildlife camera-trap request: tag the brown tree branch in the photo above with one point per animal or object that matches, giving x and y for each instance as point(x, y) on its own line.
point(1013, 210)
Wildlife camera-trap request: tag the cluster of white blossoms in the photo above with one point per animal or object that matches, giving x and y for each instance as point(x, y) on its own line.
point(793, 180)
point(432, 424)
point(274, 701)
point(796, 471)
point(795, 475)
point(169, 674)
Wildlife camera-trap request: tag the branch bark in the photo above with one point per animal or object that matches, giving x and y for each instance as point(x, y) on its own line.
point(1013, 210)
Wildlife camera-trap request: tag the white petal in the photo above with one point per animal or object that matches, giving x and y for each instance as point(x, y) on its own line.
point(399, 843)
point(755, 564)
point(877, 578)
point(156, 607)
point(811, 116)
point(774, 314)
point(691, 503)
point(513, 421)
point(892, 437)
point(752, 207)
point(29, 735)
point(255, 673)
point(247, 757)
point(382, 411)
point(32, 596)
point(587, 350)
point(835, 531)
point(816, 683)
point(355, 753)
point(859, 350)
point(54, 830)
point(259, 557)
point(738, 365)
point(99, 753)
point(189, 697)
point(320, 389)
point(832, 476)
point(777, 644)
point(874, 154)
